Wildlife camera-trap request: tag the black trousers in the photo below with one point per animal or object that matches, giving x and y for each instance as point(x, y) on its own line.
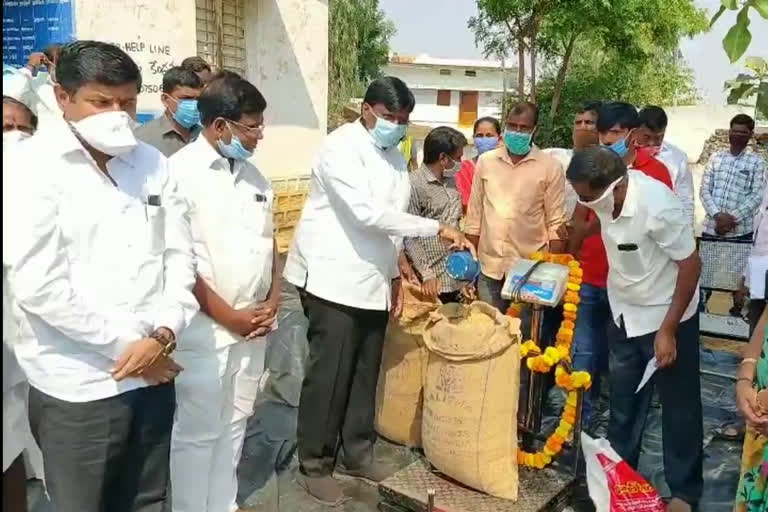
point(681, 415)
point(338, 395)
point(15, 487)
point(108, 455)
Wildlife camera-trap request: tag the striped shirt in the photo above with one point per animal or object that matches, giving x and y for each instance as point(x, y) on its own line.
point(733, 184)
point(441, 201)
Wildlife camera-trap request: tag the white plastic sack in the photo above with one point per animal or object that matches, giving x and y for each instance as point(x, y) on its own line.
point(613, 485)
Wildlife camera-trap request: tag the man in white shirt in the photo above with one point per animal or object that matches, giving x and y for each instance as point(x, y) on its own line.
point(222, 350)
point(653, 293)
point(101, 265)
point(344, 260)
point(651, 133)
point(35, 88)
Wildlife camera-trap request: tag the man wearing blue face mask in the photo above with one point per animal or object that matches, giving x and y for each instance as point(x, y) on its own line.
point(180, 123)
point(344, 260)
point(230, 212)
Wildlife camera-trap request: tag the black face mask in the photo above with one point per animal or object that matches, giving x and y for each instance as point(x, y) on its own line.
point(738, 140)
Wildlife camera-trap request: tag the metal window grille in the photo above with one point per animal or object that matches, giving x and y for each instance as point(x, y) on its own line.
point(221, 33)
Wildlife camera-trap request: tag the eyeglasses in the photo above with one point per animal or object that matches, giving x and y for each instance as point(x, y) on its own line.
point(248, 129)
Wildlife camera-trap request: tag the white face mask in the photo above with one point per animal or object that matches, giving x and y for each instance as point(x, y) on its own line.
point(14, 137)
point(454, 168)
point(108, 132)
point(605, 203)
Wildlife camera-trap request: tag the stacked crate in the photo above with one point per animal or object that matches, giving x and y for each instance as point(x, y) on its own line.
point(290, 194)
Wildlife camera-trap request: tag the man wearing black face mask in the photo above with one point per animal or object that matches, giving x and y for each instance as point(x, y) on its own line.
point(732, 184)
point(732, 189)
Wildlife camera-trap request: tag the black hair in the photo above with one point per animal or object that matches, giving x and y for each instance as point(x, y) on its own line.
point(590, 106)
point(744, 120)
point(442, 139)
point(83, 62)
point(522, 107)
point(7, 100)
point(491, 120)
point(617, 113)
point(596, 166)
point(52, 51)
point(180, 77)
point(390, 92)
point(225, 73)
point(654, 118)
point(231, 98)
point(196, 64)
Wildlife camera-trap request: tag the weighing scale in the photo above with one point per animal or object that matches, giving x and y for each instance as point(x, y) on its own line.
point(420, 487)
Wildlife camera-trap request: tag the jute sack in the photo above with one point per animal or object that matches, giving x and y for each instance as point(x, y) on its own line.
point(403, 360)
point(469, 429)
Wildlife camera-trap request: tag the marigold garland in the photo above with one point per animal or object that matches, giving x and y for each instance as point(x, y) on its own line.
point(558, 356)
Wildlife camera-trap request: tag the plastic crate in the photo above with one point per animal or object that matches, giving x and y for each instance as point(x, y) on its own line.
point(723, 262)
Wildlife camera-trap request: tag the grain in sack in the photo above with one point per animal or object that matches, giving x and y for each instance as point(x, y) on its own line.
point(403, 361)
point(469, 427)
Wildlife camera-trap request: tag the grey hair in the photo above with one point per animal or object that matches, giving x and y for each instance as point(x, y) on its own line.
point(596, 166)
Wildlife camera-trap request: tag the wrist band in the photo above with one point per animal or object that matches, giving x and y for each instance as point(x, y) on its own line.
point(748, 360)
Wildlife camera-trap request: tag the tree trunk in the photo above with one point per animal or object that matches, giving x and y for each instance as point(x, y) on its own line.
point(560, 80)
point(520, 70)
point(534, 34)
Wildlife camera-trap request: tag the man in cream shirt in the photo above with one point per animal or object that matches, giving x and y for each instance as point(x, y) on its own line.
point(344, 260)
point(653, 293)
point(222, 351)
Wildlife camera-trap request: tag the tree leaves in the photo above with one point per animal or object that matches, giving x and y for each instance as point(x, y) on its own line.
point(730, 4)
point(737, 39)
point(761, 6)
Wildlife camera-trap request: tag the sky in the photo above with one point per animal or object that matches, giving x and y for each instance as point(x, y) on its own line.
point(439, 28)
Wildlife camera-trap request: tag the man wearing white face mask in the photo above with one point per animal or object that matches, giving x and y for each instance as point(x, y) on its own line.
point(344, 260)
point(100, 263)
point(222, 350)
point(19, 122)
point(35, 88)
point(653, 294)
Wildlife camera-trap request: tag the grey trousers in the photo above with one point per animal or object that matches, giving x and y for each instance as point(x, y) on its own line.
point(108, 455)
point(338, 395)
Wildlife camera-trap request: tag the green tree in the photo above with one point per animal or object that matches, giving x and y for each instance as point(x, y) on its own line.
point(738, 38)
point(358, 45)
point(752, 86)
point(638, 29)
point(605, 74)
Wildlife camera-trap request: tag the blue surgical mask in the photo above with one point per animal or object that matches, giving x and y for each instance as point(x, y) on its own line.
point(235, 149)
point(619, 147)
point(484, 144)
point(186, 113)
point(387, 134)
point(518, 143)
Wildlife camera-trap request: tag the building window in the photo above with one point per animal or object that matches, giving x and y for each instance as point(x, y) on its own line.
point(470, 72)
point(220, 28)
point(444, 98)
point(445, 71)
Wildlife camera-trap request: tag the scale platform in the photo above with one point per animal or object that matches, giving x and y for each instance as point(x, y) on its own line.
point(541, 490)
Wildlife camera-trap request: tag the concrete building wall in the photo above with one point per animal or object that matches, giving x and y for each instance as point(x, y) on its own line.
point(157, 34)
point(429, 77)
point(429, 113)
point(287, 59)
point(286, 52)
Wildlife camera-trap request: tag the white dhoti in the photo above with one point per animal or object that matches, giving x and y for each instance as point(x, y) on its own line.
point(215, 395)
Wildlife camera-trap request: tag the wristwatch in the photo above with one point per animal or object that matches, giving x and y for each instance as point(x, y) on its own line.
point(165, 337)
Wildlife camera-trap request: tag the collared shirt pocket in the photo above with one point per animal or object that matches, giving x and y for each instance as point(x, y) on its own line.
point(156, 227)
